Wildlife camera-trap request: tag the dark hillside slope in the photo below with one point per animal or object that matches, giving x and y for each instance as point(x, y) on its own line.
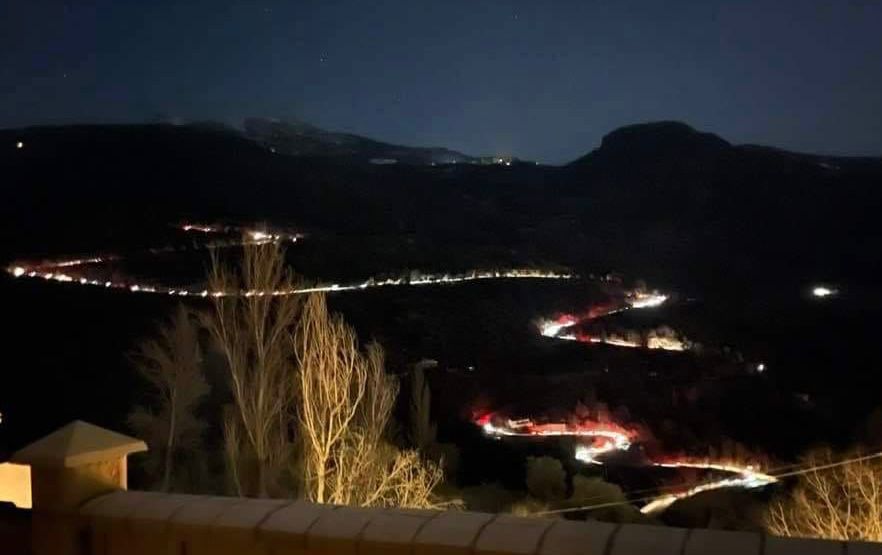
point(743, 229)
point(661, 200)
point(105, 180)
point(302, 139)
point(701, 207)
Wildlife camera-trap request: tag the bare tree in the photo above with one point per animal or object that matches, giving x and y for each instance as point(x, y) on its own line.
point(233, 447)
point(422, 430)
point(172, 363)
point(833, 501)
point(404, 479)
point(345, 401)
point(252, 328)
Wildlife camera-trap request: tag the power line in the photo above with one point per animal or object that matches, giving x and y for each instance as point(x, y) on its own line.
point(815, 468)
point(599, 506)
point(812, 468)
point(695, 483)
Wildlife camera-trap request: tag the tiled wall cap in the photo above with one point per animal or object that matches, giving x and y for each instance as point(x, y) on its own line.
point(412, 512)
point(338, 532)
point(249, 514)
point(799, 546)
point(391, 532)
point(295, 526)
point(641, 539)
point(567, 537)
point(451, 532)
point(512, 535)
point(864, 548)
point(160, 509)
point(118, 504)
point(203, 510)
point(704, 542)
point(286, 528)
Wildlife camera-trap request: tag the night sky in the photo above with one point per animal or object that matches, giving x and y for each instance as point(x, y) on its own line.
point(542, 80)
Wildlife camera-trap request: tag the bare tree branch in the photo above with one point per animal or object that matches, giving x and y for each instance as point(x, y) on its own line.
point(842, 502)
point(345, 404)
point(172, 363)
point(252, 330)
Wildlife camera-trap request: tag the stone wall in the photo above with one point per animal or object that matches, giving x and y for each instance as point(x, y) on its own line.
point(142, 523)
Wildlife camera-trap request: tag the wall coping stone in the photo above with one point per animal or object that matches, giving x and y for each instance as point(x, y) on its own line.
point(268, 526)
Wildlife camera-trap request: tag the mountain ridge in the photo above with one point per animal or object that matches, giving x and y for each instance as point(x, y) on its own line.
point(638, 141)
point(299, 138)
point(699, 204)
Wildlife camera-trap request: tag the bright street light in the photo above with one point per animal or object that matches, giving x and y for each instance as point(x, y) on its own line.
point(821, 291)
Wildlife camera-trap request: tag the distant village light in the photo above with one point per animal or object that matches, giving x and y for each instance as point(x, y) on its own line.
point(19, 144)
point(821, 291)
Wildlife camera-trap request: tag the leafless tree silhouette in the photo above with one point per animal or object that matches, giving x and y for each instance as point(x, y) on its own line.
point(172, 363)
point(345, 404)
point(842, 502)
point(253, 331)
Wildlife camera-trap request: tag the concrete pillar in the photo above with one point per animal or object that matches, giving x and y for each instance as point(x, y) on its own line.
point(69, 467)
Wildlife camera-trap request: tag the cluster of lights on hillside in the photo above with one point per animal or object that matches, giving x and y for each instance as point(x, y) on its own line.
point(202, 228)
point(250, 235)
point(640, 299)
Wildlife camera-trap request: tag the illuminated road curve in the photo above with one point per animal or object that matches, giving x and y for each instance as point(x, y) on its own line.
point(740, 476)
point(610, 437)
point(564, 327)
point(605, 437)
point(746, 477)
point(63, 271)
point(53, 273)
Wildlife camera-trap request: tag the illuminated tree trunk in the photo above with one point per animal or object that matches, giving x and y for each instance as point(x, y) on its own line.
point(345, 401)
point(252, 328)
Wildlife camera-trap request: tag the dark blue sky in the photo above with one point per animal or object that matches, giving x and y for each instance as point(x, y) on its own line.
point(541, 79)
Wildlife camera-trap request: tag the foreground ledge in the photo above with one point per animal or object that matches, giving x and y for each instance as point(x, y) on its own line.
point(82, 507)
point(148, 523)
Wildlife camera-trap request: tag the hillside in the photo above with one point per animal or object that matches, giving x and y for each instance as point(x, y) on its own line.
point(743, 230)
point(659, 200)
point(302, 139)
point(691, 198)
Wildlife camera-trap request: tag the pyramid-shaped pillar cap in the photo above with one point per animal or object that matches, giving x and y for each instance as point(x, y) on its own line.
point(76, 444)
